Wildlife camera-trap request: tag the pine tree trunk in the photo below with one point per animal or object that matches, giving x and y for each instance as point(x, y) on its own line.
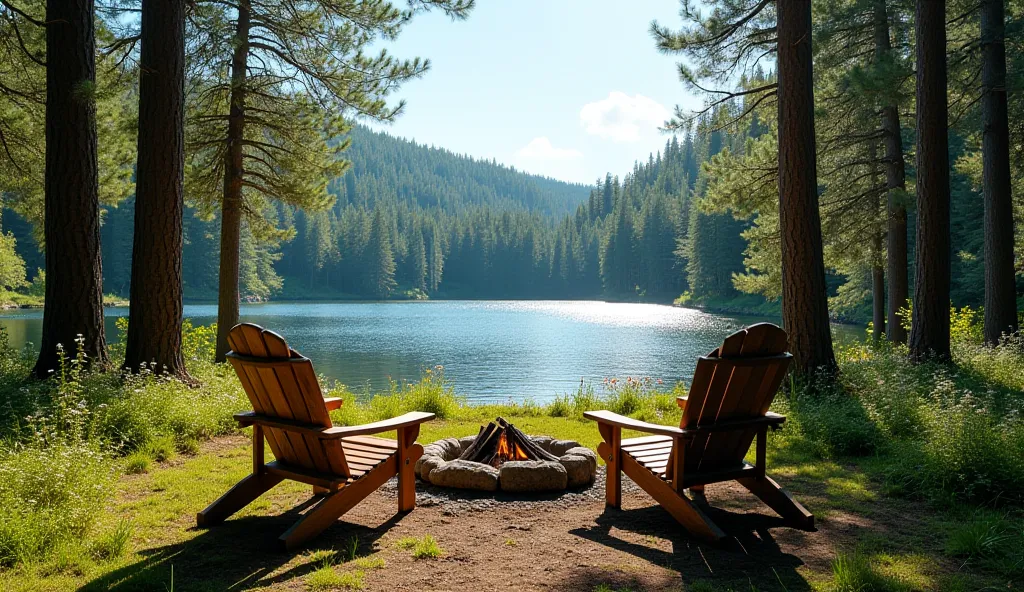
point(877, 259)
point(74, 269)
point(231, 205)
point(154, 322)
point(1000, 280)
point(896, 183)
point(804, 297)
point(929, 332)
point(877, 289)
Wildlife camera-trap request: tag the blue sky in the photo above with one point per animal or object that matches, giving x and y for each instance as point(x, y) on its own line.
point(570, 89)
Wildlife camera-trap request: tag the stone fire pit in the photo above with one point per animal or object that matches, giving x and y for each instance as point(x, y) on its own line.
point(575, 467)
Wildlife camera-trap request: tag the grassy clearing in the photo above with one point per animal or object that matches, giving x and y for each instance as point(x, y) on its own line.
point(81, 452)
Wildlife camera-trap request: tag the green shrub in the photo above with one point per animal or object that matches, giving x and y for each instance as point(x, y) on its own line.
point(50, 497)
point(836, 422)
point(626, 398)
point(137, 462)
point(560, 407)
point(981, 536)
point(161, 448)
point(968, 453)
point(432, 393)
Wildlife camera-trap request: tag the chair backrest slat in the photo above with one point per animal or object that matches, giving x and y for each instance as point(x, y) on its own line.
point(739, 380)
point(281, 383)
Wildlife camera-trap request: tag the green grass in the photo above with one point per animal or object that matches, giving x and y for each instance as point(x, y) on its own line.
point(424, 547)
point(368, 563)
point(326, 578)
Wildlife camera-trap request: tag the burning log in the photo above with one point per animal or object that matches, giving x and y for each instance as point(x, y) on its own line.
point(534, 451)
point(499, 442)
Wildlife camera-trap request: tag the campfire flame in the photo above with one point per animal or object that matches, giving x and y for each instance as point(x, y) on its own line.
point(504, 452)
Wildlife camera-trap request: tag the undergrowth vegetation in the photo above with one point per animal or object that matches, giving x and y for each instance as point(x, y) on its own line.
point(950, 435)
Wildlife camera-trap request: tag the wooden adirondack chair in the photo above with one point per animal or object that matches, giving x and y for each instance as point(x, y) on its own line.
point(343, 464)
point(726, 409)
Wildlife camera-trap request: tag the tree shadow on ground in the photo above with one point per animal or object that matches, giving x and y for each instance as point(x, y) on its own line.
point(240, 554)
point(750, 559)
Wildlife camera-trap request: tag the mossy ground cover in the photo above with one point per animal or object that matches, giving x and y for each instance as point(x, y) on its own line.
point(914, 473)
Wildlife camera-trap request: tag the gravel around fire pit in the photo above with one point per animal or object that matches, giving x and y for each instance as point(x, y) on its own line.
point(574, 468)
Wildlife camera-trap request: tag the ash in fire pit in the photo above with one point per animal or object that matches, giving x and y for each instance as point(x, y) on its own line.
point(502, 457)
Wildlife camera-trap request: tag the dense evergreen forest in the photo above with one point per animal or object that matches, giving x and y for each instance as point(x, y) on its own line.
point(425, 198)
point(410, 220)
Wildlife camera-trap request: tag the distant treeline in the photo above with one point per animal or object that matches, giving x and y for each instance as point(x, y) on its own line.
point(410, 219)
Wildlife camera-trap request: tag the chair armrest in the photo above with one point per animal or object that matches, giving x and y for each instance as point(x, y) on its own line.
point(333, 403)
point(249, 418)
point(412, 418)
point(681, 402)
point(772, 420)
point(409, 419)
point(607, 417)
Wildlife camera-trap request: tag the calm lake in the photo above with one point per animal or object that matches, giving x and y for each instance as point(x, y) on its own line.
point(492, 351)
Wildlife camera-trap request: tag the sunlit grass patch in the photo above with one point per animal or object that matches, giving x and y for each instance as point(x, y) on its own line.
point(424, 547)
point(327, 578)
point(137, 462)
point(115, 542)
point(368, 563)
point(856, 572)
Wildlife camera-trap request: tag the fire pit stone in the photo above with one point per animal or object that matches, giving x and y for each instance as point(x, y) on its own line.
point(521, 476)
point(514, 462)
point(463, 474)
point(580, 464)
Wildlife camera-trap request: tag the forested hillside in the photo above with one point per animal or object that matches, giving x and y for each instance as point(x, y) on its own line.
point(409, 220)
point(422, 196)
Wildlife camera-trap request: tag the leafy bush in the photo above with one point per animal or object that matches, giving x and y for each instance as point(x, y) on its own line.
point(969, 453)
point(955, 430)
point(836, 423)
point(433, 393)
point(59, 438)
point(560, 407)
point(50, 497)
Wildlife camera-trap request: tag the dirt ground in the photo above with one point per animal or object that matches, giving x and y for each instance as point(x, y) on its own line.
point(566, 542)
point(563, 542)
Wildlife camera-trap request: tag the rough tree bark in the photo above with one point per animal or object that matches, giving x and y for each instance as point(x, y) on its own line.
point(805, 307)
point(154, 321)
point(231, 205)
point(929, 332)
point(804, 297)
point(896, 183)
point(74, 270)
point(877, 289)
point(1000, 280)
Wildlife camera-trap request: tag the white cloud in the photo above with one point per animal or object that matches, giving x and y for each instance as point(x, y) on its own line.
point(542, 149)
point(623, 118)
point(541, 157)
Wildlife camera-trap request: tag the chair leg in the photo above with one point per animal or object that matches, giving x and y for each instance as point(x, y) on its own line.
point(408, 453)
point(778, 499)
point(611, 451)
point(333, 505)
point(674, 502)
point(238, 497)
